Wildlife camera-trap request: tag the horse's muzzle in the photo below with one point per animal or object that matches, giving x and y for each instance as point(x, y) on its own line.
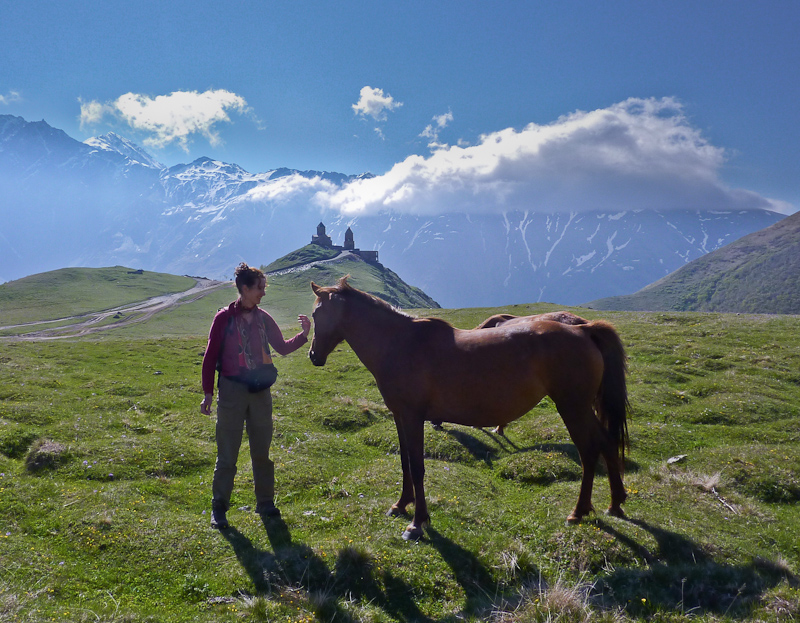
point(317, 361)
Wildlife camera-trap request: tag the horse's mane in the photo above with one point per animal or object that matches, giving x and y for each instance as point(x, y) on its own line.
point(343, 288)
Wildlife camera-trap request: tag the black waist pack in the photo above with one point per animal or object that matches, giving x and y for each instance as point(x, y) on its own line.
point(258, 379)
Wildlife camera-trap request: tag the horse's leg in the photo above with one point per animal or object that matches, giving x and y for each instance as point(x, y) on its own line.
point(586, 432)
point(614, 464)
point(416, 462)
point(407, 494)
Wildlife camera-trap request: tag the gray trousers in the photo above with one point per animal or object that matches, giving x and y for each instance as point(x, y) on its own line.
point(237, 408)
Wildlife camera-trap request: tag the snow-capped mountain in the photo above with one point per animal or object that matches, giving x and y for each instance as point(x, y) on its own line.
point(518, 257)
point(106, 201)
point(114, 144)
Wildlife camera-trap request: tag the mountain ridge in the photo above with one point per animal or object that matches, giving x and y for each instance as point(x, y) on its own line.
point(758, 273)
point(86, 206)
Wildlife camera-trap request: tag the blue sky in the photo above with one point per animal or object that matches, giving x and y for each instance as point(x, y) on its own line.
point(547, 105)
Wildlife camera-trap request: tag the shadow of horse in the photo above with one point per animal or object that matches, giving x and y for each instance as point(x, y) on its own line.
point(293, 564)
point(489, 450)
point(482, 450)
point(482, 591)
point(681, 576)
point(479, 450)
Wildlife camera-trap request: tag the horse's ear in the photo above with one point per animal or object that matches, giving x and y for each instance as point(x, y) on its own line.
point(318, 290)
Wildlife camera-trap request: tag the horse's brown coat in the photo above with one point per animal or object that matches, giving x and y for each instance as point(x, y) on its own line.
point(428, 370)
point(564, 317)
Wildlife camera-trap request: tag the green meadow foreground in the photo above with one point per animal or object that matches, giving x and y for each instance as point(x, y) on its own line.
point(106, 461)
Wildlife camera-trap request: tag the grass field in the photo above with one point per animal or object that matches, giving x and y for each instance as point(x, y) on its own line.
point(106, 461)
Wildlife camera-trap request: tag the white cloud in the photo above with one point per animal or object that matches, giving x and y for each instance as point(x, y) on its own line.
point(93, 112)
point(432, 130)
point(374, 103)
point(640, 153)
point(172, 118)
point(289, 187)
point(12, 96)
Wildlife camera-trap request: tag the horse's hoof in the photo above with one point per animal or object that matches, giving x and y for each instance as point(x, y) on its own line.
point(395, 511)
point(575, 517)
point(615, 511)
point(412, 533)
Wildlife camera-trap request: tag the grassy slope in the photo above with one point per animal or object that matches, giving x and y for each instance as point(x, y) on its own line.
point(304, 255)
point(76, 291)
point(759, 273)
point(375, 279)
point(711, 537)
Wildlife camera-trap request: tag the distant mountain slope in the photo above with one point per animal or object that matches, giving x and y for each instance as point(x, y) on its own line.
point(107, 202)
point(326, 266)
point(759, 273)
point(75, 291)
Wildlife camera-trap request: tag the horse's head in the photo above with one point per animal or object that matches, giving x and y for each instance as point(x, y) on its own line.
point(327, 318)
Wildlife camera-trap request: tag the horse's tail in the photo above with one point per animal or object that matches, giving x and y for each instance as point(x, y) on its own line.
point(612, 400)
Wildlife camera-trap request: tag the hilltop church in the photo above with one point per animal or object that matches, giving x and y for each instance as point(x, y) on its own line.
point(324, 240)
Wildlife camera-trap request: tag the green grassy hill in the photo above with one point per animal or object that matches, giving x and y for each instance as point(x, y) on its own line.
point(759, 273)
point(297, 269)
point(305, 255)
point(63, 298)
point(76, 291)
point(106, 463)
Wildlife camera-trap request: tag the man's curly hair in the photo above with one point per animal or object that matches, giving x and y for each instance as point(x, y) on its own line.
point(247, 276)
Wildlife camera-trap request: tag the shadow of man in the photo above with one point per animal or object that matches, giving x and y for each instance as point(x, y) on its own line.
point(357, 579)
point(293, 564)
point(289, 564)
point(259, 565)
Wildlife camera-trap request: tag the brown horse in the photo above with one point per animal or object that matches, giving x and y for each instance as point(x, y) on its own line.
point(428, 370)
point(564, 317)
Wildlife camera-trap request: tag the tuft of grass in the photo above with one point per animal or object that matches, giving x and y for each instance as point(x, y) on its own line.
point(564, 601)
point(540, 467)
point(46, 454)
point(776, 481)
point(15, 439)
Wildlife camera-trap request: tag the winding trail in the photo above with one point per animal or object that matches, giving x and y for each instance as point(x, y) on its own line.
point(124, 315)
point(301, 267)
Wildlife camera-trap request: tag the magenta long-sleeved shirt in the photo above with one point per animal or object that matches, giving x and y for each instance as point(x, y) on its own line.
point(230, 347)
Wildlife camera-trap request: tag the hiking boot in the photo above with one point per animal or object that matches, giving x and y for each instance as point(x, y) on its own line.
point(268, 509)
point(218, 518)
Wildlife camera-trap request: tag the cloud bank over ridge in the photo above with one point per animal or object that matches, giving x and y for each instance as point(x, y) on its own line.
point(636, 154)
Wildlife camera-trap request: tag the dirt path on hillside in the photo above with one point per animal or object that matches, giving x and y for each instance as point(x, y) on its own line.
point(296, 269)
point(124, 315)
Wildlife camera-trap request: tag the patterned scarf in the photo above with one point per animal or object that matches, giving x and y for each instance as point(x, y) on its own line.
point(243, 329)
